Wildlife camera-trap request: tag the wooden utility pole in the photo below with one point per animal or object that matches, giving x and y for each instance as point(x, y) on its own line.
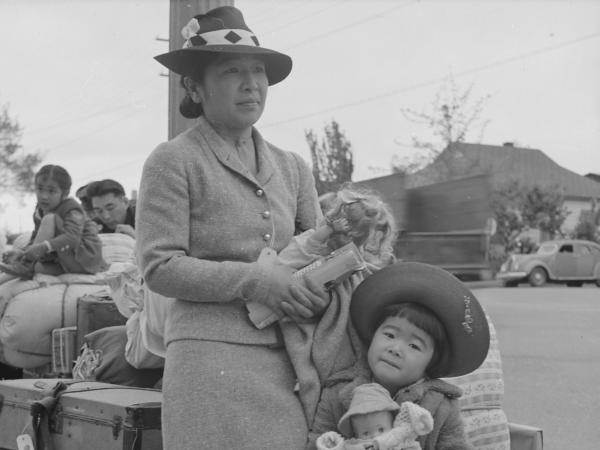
point(180, 13)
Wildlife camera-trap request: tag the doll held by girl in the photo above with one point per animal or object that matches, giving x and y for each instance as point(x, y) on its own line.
point(378, 423)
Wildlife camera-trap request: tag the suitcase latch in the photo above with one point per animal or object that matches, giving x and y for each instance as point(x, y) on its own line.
point(55, 421)
point(117, 425)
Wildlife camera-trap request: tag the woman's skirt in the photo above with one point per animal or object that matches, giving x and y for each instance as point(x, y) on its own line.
point(219, 395)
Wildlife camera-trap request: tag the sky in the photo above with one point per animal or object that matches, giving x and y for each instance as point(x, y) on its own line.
point(81, 80)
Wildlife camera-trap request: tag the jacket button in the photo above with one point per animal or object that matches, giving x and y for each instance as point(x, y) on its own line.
point(266, 237)
point(266, 214)
point(260, 192)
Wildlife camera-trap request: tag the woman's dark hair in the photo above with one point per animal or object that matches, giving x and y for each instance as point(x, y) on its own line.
point(188, 108)
point(423, 318)
point(58, 174)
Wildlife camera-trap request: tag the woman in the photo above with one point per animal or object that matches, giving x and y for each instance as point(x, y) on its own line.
point(210, 201)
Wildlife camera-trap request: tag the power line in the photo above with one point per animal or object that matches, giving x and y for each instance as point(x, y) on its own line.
point(430, 82)
point(353, 24)
point(91, 133)
point(300, 19)
point(437, 80)
point(104, 171)
point(100, 112)
point(271, 12)
point(80, 118)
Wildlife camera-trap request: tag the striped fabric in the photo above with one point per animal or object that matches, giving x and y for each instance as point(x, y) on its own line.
point(486, 424)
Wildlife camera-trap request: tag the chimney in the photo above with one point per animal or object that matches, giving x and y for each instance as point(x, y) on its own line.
point(508, 144)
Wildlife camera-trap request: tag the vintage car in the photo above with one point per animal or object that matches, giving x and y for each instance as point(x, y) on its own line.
point(573, 262)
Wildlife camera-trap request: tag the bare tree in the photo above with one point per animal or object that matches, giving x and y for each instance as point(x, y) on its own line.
point(331, 158)
point(453, 117)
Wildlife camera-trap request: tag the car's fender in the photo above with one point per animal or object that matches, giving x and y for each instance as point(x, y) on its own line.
point(529, 265)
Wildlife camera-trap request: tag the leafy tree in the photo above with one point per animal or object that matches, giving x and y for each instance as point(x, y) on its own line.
point(454, 116)
point(331, 158)
point(588, 224)
point(16, 168)
point(517, 207)
point(506, 202)
point(543, 209)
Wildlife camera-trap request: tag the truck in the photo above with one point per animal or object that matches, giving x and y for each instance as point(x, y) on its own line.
point(447, 224)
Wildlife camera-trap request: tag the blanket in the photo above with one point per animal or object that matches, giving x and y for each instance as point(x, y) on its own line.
point(321, 348)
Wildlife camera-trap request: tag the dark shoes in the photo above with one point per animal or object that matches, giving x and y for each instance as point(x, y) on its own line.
point(18, 269)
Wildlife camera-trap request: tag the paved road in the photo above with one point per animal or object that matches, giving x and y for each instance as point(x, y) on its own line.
point(550, 344)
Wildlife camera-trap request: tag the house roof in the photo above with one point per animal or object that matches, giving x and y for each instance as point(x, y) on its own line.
point(593, 176)
point(506, 163)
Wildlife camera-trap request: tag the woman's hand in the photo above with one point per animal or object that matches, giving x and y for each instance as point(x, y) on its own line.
point(298, 300)
point(288, 297)
point(310, 300)
point(279, 280)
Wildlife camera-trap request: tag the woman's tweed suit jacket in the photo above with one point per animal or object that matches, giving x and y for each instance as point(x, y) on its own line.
point(202, 220)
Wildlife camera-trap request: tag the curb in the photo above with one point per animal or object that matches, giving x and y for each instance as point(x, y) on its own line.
point(484, 284)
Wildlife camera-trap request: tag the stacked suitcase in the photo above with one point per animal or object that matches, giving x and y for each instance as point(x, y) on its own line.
point(83, 414)
point(87, 415)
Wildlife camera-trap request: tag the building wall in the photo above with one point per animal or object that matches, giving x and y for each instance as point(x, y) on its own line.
point(574, 207)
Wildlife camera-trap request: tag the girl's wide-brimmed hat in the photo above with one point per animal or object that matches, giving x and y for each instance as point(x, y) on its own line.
point(222, 31)
point(443, 294)
point(367, 398)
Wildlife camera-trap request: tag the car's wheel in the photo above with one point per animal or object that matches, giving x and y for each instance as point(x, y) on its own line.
point(537, 277)
point(574, 283)
point(511, 283)
point(598, 282)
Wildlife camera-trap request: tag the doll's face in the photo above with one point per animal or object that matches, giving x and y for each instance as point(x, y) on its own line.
point(369, 426)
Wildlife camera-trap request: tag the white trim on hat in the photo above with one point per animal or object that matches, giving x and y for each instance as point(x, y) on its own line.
point(218, 37)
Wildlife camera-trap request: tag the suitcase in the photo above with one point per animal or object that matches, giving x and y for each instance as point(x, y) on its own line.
point(95, 312)
point(88, 415)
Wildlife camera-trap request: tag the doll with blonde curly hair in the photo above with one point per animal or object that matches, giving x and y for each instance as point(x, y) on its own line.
point(349, 215)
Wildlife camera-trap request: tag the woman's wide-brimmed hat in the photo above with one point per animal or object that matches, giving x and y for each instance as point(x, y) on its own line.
point(439, 291)
point(222, 31)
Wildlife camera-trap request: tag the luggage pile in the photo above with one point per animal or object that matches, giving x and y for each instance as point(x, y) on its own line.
point(73, 336)
point(31, 309)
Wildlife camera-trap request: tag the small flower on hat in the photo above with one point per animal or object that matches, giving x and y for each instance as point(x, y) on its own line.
point(191, 29)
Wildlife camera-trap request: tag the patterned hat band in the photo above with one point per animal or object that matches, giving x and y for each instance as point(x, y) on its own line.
point(224, 36)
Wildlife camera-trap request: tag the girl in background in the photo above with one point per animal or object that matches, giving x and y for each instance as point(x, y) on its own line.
point(64, 239)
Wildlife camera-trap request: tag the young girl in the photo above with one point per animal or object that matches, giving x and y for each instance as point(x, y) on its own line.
point(420, 323)
point(64, 239)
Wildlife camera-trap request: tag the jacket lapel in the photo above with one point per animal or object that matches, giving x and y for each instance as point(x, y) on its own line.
point(226, 154)
point(265, 166)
